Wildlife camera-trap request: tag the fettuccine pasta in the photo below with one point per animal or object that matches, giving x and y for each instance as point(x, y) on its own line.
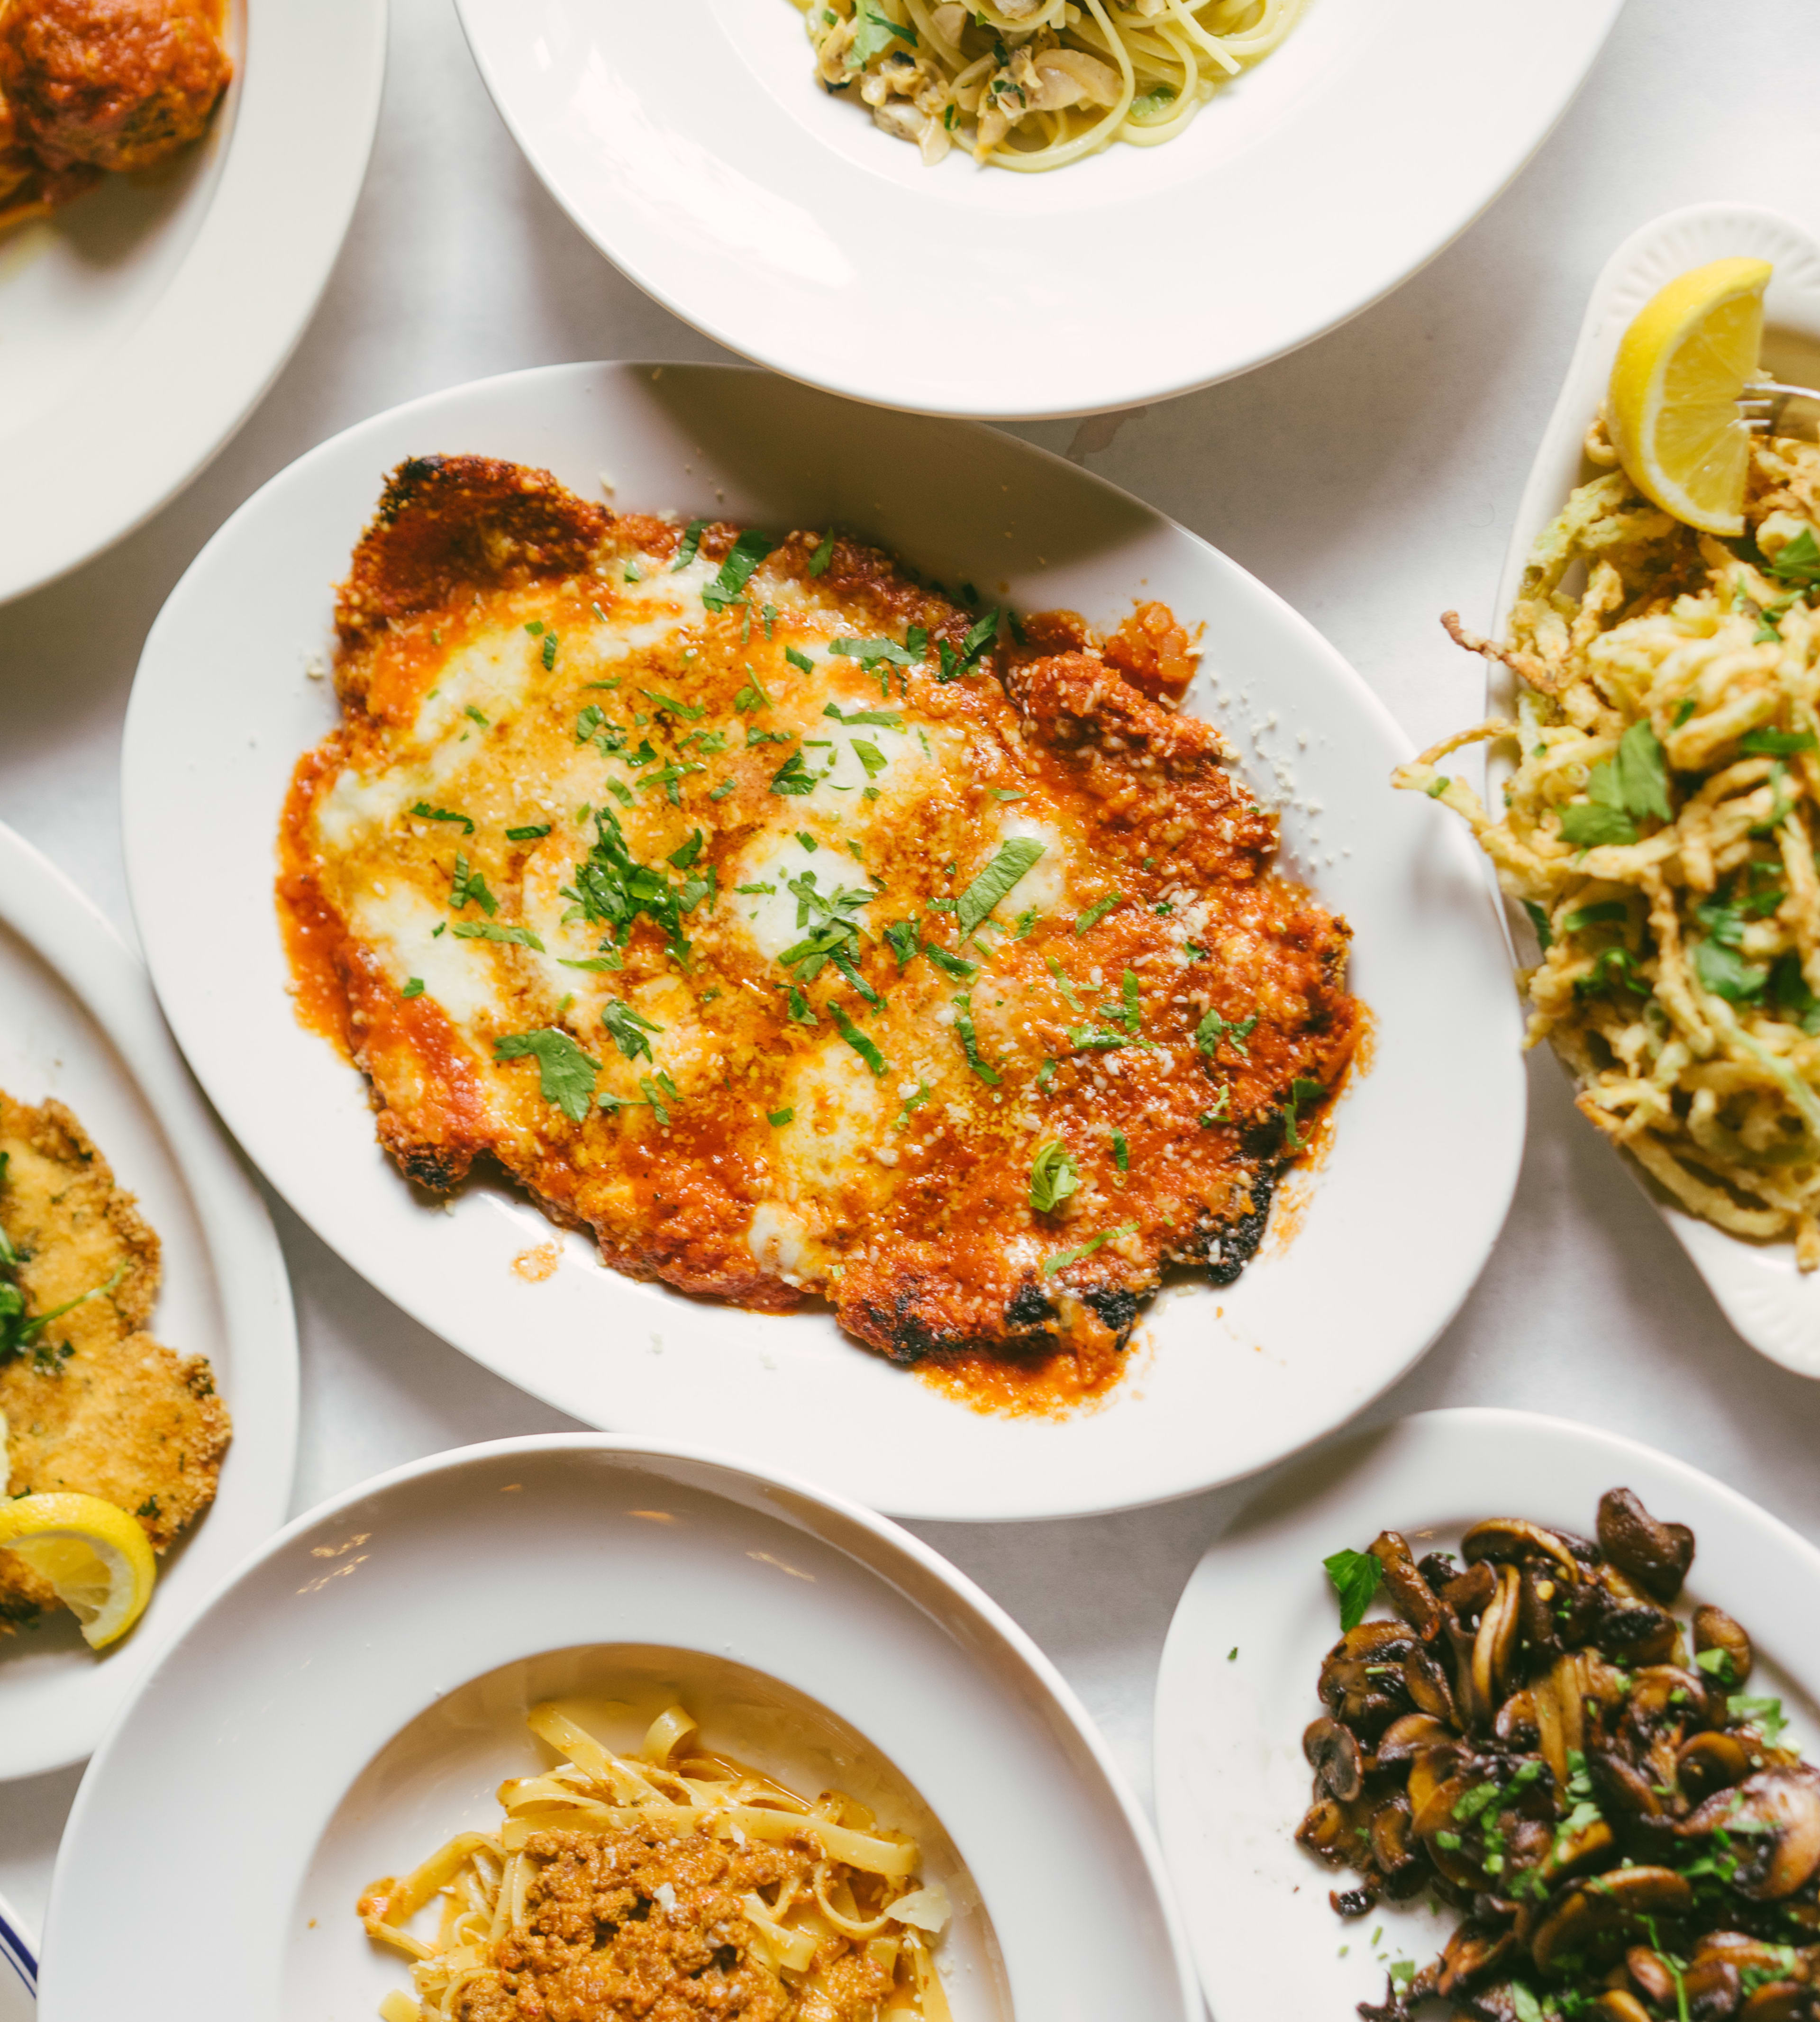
point(614, 1879)
point(1036, 84)
point(1660, 829)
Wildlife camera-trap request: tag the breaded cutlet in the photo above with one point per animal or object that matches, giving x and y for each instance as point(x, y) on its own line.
point(92, 1403)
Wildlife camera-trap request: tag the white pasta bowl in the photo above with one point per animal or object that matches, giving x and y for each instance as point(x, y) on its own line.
point(691, 142)
point(1377, 1245)
point(361, 1686)
point(1237, 1687)
point(1774, 1306)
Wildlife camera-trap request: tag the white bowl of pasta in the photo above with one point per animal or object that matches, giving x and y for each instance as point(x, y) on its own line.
point(673, 1661)
point(1737, 1231)
point(1217, 199)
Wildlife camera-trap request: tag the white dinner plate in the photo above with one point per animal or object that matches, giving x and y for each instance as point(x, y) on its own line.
point(1396, 1223)
point(77, 1020)
point(1775, 1307)
point(316, 1711)
point(692, 144)
point(140, 326)
point(18, 1967)
point(1237, 1684)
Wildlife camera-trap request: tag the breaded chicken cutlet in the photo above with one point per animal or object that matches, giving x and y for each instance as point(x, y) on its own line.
point(89, 1401)
point(798, 931)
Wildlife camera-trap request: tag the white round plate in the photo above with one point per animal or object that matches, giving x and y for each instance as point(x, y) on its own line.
point(18, 1967)
point(366, 1616)
point(1237, 1687)
point(77, 1020)
point(1775, 1307)
point(140, 326)
point(1396, 1222)
point(691, 143)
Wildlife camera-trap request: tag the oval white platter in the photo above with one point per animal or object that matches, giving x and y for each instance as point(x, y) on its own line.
point(1775, 1307)
point(1237, 1683)
point(321, 1693)
point(140, 326)
point(691, 143)
point(1399, 1219)
point(77, 1020)
point(18, 1967)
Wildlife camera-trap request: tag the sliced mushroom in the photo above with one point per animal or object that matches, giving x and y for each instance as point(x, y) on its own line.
point(1621, 1788)
point(1437, 1818)
point(1515, 1724)
point(1426, 1683)
point(1777, 2001)
point(1333, 1755)
point(1394, 1846)
point(1573, 1853)
point(1514, 1539)
point(1477, 1948)
point(1715, 1629)
point(1707, 1762)
point(1326, 1830)
point(1592, 1922)
point(1618, 2005)
point(1352, 1902)
point(1713, 1990)
point(1399, 1741)
point(1429, 1768)
point(1467, 1597)
point(1774, 1818)
point(1649, 1972)
point(1410, 1594)
point(1496, 1643)
point(1656, 1555)
point(1639, 1634)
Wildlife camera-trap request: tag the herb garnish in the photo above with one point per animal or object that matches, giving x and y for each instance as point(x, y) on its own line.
point(1055, 1175)
point(1067, 1257)
point(964, 1026)
point(565, 1074)
point(858, 1041)
point(426, 812)
point(1098, 911)
point(1355, 1577)
point(743, 558)
point(995, 882)
point(489, 930)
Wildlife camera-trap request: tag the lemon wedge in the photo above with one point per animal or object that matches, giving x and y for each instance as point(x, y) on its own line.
point(95, 1555)
point(1673, 409)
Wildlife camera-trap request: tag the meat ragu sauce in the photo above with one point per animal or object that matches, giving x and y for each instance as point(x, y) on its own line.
point(691, 823)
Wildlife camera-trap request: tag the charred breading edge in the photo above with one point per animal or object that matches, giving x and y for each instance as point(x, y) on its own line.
point(119, 1416)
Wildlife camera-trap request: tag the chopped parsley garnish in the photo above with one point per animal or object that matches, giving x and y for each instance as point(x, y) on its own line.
point(469, 889)
point(743, 558)
point(801, 662)
point(951, 965)
point(414, 987)
point(1355, 1577)
point(778, 1118)
point(1098, 911)
point(1062, 983)
point(750, 697)
point(913, 1101)
point(1121, 1152)
point(868, 652)
point(1766, 742)
point(800, 1009)
point(1301, 1090)
point(611, 888)
point(1214, 1032)
point(1067, 1257)
point(1046, 1076)
point(1799, 562)
point(1539, 921)
point(995, 882)
point(873, 32)
point(793, 776)
point(1765, 1715)
point(470, 710)
point(489, 930)
point(858, 1041)
point(532, 832)
point(883, 719)
point(426, 812)
point(1717, 1664)
point(689, 711)
point(818, 561)
point(684, 857)
point(1621, 791)
point(964, 1026)
point(565, 1074)
point(1055, 1175)
point(598, 963)
point(549, 650)
point(628, 1030)
point(654, 1090)
point(691, 545)
point(722, 791)
point(871, 756)
point(901, 938)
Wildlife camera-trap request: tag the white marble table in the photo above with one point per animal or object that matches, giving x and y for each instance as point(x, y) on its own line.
point(1370, 479)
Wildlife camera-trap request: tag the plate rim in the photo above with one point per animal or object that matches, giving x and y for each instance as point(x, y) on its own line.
point(234, 359)
point(985, 1614)
point(1175, 1823)
point(184, 1016)
point(65, 930)
point(19, 1949)
point(1487, 189)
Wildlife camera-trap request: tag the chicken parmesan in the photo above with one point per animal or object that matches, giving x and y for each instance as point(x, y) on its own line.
point(799, 931)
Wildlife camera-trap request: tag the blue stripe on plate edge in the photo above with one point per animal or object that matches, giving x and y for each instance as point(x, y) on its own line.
point(17, 1954)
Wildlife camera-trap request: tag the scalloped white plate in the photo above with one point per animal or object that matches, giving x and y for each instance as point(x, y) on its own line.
point(77, 1020)
point(690, 141)
point(1399, 1219)
point(1772, 1305)
point(1232, 1785)
point(139, 327)
point(310, 1730)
